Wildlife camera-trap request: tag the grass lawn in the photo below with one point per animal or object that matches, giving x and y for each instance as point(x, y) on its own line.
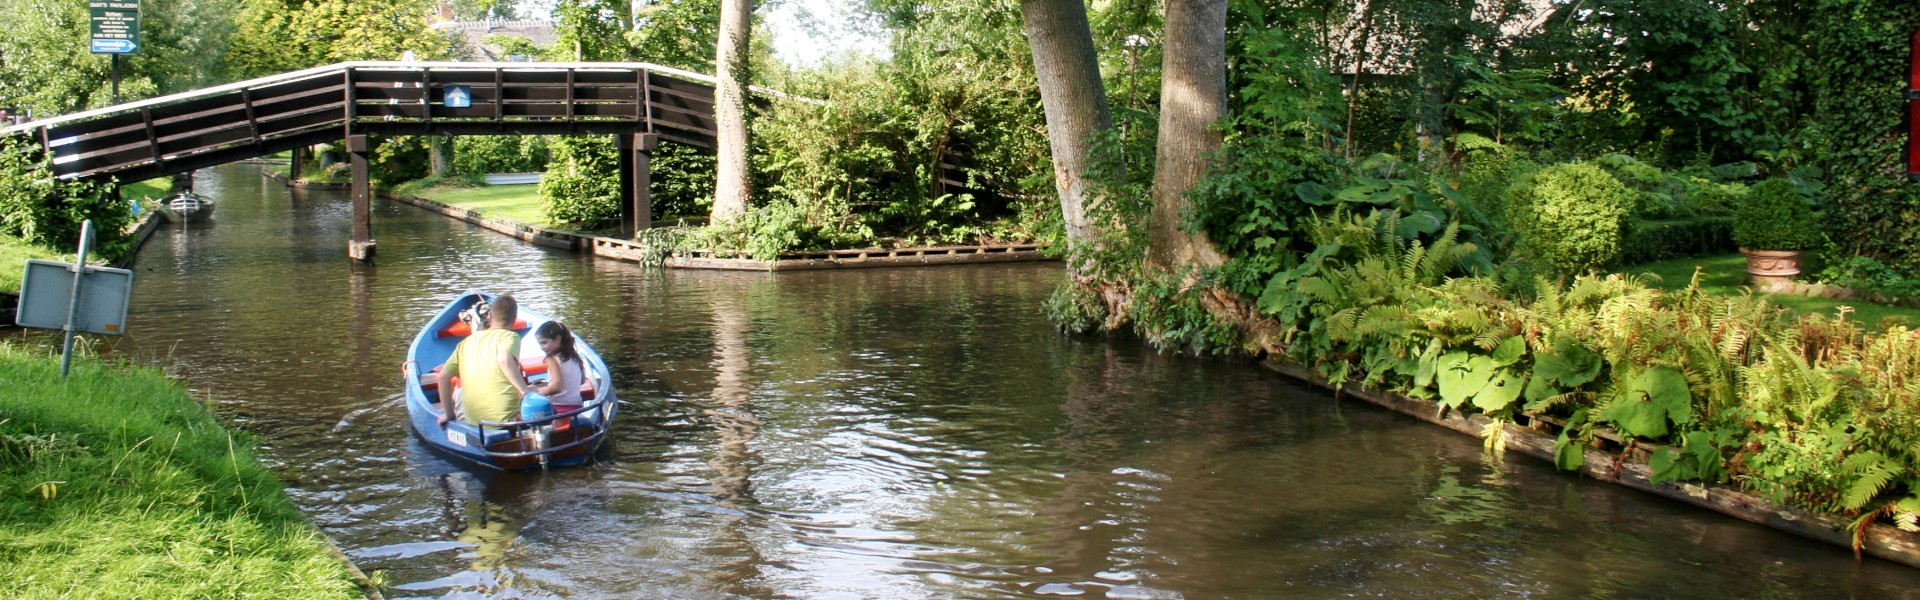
point(1727, 274)
point(516, 202)
point(14, 253)
point(118, 484)
point(155, 188)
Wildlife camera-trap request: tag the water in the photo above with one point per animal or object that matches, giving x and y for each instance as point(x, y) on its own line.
point(911, 433)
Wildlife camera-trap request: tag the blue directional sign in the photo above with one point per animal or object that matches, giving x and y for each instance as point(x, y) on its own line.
point(458, 96)
point(113, 46)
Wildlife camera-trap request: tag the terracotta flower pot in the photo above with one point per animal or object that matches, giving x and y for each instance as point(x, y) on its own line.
point(1772, 268)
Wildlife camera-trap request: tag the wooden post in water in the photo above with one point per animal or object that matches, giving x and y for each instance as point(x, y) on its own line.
point(360, 248)
point(636, 180)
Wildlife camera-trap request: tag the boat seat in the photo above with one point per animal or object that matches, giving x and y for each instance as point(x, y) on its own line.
point(462, 329)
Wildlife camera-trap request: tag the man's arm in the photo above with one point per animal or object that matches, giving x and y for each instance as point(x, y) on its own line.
point(445, 381)
point(510, 365)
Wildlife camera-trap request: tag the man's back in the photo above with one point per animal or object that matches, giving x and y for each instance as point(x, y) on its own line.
point(486, 393)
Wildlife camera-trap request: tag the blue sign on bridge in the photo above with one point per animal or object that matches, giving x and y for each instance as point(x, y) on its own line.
point(458, 96)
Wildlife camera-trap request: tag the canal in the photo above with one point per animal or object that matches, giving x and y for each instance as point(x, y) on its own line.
point(909, 433)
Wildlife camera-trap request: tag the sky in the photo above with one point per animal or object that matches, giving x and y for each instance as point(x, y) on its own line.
point(804, 31)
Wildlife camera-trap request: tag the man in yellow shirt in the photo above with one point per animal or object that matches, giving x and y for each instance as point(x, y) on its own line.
point(488, 366)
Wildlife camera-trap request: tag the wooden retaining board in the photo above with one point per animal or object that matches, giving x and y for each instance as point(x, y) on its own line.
point(1881, 541)
point(619, 249)
point(865, 259)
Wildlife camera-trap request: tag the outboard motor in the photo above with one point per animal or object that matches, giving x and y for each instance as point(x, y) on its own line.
point(536, 406)
point(476, 316)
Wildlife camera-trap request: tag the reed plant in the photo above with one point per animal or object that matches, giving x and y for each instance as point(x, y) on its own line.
point(118, 484)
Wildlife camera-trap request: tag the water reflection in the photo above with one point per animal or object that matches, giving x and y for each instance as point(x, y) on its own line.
point(730, 415)
point(915, 433)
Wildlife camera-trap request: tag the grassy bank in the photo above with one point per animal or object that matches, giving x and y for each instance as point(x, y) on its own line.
point(1726, 275)
point(516, 202)
point(155, 188)
point(14, 253)
point(117, 484)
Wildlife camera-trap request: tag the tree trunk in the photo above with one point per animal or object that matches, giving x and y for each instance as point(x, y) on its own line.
point(1193, 97)
point(440, 155)
point(730, 193)
point(1075, 102)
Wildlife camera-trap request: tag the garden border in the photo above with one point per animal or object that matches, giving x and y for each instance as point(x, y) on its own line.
point(1881, 541)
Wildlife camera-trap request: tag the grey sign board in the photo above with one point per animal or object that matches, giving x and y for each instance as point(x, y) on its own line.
point(46, 296)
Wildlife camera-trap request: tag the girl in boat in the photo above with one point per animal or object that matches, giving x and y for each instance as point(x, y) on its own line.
point(564, 370)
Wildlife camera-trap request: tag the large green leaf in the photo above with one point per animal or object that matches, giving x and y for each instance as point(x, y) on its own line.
point(1499, 393)
point(1461, 376)
point(1510, 351)
point(1666, 465)
point(1568, 453)
point(1648, 401)
point(1567, 366)
point(1429, 366)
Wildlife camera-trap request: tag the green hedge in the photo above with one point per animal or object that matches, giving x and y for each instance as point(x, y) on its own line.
point(1651, 241)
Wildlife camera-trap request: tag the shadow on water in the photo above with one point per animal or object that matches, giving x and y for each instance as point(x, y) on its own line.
point(909, 433)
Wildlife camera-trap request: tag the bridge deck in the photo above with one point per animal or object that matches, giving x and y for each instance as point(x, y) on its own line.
point(191, 130)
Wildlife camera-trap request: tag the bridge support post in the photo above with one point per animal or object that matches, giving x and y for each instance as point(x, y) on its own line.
point(636, 180)
point(360, 248)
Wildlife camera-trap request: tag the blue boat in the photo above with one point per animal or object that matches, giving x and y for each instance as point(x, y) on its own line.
point(563, 439)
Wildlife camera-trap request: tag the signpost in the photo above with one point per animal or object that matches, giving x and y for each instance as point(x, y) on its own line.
point(115, 29)
point(74, 297)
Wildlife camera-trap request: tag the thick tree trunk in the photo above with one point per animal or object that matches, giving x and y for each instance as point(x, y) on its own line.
point(440, 155)
point(1193, 97)
point(1075, 103)
point(730, 193)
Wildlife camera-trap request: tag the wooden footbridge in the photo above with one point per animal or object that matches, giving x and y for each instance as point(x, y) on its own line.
point(639, 104)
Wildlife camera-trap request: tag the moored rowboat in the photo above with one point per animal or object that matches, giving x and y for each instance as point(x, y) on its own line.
point(563, 439)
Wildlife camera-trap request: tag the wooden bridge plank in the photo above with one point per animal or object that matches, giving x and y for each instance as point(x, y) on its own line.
point(297, 87)
point(98, 128)
point(244, 121)
point(93, 142)
point(699, 91)
point(170, 113)
point(270, 105)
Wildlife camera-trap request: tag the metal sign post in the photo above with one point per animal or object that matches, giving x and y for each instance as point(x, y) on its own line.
point(74, 297)
point(73, 305)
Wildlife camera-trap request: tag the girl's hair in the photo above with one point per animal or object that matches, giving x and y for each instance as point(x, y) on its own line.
point(554, 330)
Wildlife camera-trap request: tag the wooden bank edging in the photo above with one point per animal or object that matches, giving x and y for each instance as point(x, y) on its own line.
point(628, 250)
point(1880, 540)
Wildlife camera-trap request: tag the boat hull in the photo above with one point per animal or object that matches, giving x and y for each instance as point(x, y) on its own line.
point(569, 439)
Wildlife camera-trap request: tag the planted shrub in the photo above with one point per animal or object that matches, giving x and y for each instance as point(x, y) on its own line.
point(1774, 217)
point(1571, 217)
point(583, 188)
point(44, 211)
point(482, 154)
